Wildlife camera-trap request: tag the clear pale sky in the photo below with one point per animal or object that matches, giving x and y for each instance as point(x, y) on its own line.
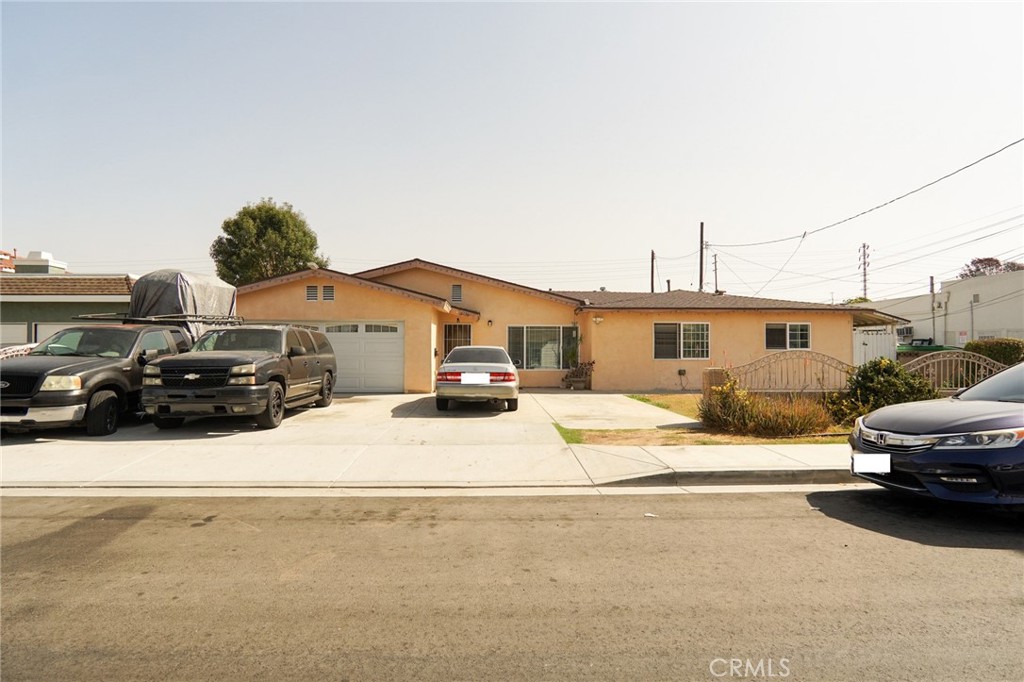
point(552, 144)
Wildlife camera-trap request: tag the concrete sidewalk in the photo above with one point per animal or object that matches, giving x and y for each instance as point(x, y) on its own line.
point(403, 442)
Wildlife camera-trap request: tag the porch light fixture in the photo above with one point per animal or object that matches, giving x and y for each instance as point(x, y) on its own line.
point(490, 323)
point(598, 320)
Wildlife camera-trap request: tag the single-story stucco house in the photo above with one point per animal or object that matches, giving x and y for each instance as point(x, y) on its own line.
point(391, 327)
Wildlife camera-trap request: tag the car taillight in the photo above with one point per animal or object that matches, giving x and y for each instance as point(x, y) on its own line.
point(449, 376)
point(502, 377)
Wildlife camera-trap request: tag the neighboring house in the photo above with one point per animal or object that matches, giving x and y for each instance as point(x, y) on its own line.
point(986, 307)
point(40, 298)
point(391, 326)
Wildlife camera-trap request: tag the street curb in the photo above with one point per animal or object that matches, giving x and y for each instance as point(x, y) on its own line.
point(740, 477)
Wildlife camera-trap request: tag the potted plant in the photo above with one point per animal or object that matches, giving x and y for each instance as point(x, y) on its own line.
point(578, 378)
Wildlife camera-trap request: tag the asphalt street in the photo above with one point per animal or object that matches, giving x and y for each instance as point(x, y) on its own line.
point(830, 585)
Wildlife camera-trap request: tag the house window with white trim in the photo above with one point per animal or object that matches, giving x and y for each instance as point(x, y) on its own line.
point(787, 336)
point(542, 347)
point(682, 341)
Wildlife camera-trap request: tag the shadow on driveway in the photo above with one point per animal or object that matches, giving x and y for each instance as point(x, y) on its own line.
point(922, 520)
point(426, 408)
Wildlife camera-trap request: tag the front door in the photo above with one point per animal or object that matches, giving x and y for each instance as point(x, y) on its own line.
point(457, 335)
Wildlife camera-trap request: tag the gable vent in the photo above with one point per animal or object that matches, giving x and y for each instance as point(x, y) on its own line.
point(456, 293)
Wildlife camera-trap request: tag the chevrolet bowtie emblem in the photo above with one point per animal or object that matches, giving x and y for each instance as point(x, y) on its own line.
point(5, 384)
point(191, 377)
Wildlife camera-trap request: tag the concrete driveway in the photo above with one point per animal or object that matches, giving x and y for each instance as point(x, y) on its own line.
point(360, 440)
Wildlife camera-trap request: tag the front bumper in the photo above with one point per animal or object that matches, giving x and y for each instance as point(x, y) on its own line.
point(27, 416)
point(177, 402)
point(978, 476)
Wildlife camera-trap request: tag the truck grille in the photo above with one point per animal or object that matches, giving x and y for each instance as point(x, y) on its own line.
point(17, 385)
point(194, 377)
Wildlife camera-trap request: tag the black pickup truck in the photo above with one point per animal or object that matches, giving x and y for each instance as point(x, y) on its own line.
point(249, 370)
point(87, 375)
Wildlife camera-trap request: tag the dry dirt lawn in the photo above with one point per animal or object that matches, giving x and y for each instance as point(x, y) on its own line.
point(686, 404)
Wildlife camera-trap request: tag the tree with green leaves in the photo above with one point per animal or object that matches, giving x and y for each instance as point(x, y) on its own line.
point(265, 240)
point(979, 267)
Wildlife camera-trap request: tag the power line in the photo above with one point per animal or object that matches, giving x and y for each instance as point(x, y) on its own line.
point(883, 205)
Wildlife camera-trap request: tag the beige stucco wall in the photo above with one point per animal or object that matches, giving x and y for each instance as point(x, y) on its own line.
point(499, 306)
point(286, 302)
point(622, 345)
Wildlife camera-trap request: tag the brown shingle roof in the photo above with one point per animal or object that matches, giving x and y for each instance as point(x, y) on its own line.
point(687, 300)
point(697, 300)
point(66, 285)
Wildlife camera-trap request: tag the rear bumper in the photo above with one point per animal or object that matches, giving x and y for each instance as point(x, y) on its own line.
point(234, 400)
point(477, 392)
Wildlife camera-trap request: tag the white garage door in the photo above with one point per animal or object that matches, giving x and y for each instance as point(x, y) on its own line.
point(371, 356)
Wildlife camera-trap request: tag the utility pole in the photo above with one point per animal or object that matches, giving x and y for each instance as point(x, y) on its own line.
point(931, 288)
point(864, 266)
point(652, 271)
point(715, 256)
point(701, 281)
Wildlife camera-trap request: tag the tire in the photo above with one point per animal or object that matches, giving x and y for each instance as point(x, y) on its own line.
point(102, 413)
point(271, 417)
point(442, 404)
point(326, 391)
point(167, 422)
point(512, 404)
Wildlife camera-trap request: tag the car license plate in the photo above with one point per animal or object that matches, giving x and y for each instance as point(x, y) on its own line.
point(476, 378)
point(871, 463)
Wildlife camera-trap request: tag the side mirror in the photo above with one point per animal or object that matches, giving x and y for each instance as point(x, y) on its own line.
point(147, 356)
point(518, 364)
point(296, 350)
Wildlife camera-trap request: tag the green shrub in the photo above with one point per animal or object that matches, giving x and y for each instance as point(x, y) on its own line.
point(733, 410)
point(875, 384)
point(1006, 351)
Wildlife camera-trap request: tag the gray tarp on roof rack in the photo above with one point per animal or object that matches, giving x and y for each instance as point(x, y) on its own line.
point(173, 292)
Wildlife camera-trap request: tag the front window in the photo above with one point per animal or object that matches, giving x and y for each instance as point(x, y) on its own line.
point(682, 341)
point(93, 342)
point(537, 347)
point(240, 339)
point(787, 336)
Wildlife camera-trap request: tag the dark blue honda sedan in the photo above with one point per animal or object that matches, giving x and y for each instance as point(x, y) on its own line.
point(967, 448)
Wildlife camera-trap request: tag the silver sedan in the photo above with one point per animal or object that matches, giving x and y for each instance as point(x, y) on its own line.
point(478, 374)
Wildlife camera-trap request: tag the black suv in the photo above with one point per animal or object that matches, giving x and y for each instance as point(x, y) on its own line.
point(254, 370)
point(87, 375)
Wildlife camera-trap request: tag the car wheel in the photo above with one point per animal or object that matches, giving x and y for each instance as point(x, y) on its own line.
point(101, 415)
point(442, 404)
point(271, 417)
point(167, 422)
point(512, 404)
point(326, 390)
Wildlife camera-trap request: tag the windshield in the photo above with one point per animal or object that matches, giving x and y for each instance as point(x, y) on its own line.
point(100, 343)
point(491, 355)
point(240, 339)
point(1007, 386)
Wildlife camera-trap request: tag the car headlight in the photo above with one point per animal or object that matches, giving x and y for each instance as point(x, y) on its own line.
point(151, 376)
point(242, 375)
point(981, 440)
point(62, 383)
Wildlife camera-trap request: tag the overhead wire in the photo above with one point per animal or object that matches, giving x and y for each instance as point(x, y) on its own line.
point(882, 205)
